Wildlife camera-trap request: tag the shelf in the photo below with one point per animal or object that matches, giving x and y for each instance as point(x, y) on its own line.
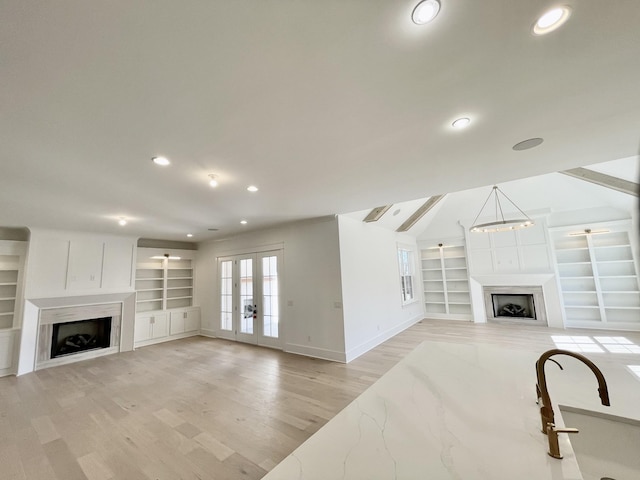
point(574, 278)
point(161, 280)
point(574, 263)
point(590, 307)
point(621, 308)
point(628, 260)
point(7, 299)
point(617, 276)
point(5, 313)
point(450, 294)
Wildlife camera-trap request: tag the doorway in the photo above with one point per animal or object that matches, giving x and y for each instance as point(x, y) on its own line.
point(250, 298)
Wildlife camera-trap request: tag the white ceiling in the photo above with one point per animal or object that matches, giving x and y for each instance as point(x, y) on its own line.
point(328, 106)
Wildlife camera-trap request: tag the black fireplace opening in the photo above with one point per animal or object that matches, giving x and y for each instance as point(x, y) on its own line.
point(75, 337)
point(513, 305)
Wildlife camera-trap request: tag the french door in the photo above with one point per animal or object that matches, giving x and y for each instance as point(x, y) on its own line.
point(250, 300)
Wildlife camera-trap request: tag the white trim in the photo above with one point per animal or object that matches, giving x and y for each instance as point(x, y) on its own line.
point(205, 332)
point(250, 250)
point(315, 352)
point(382, 337)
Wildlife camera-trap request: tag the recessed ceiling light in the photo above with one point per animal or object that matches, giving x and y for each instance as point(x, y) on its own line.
point(527, 144)
point(122, 222)
point(189, 235)
point(163, 161)
point(243, 222)
point(425, 11)
point(252, 188)
point(461, 122)
point(551, 20)
point(213, 180)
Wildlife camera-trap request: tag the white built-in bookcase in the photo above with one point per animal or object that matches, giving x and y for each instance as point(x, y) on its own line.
point(598, 275)
point(446, 281)
point(163, 284)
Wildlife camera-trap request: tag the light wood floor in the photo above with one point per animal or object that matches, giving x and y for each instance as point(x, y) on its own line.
point(198, 408)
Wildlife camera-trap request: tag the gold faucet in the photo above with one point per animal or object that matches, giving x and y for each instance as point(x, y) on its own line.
point(546, 409)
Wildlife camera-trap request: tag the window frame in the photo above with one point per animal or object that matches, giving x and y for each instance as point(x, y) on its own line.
point(406, 255)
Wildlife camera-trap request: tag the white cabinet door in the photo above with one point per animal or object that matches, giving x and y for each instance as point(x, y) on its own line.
point(177, 322)
point(159, 325)
point(192, 321)
point(142, 328)
point(6, 350)
point(85, 264)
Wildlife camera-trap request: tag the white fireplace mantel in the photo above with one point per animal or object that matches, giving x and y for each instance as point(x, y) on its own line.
point(547, 281)
point(31, 322)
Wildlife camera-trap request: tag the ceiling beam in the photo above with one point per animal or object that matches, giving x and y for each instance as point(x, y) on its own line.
point(604, 180)
point(419, 213)
point(376, 214)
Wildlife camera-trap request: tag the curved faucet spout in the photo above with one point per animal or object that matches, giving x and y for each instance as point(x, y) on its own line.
point(546, 409)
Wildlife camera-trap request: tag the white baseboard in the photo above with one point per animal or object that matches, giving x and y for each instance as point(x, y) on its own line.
point(315, 352)
point(208, 333)
point(382, 337)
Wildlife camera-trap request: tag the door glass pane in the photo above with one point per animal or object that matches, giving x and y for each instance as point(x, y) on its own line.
point(246, 296)
point(226, 298)
point(270, 296)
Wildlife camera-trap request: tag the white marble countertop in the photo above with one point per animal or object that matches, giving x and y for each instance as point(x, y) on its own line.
point(454, 411)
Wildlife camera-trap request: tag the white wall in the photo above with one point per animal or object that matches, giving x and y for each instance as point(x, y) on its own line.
point(371, 290)
point(312, 294)
point(62, 264)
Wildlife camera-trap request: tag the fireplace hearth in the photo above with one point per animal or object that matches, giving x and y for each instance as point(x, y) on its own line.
point(71, 334)
point(515, 304)
point(76, 337)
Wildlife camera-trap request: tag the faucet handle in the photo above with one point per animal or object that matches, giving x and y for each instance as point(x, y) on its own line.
point(565, 430)
point(552, 434)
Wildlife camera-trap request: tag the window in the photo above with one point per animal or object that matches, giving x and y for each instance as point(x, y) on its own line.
point(405, 262)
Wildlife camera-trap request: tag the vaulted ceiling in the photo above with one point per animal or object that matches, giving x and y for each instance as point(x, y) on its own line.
point(328, 107)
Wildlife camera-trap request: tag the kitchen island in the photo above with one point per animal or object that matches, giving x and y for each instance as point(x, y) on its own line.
point(456, 411)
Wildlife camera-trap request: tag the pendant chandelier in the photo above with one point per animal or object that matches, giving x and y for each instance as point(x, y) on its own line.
point(500, 224)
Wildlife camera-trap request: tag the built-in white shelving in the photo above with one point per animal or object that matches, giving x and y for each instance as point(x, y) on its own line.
point(598, 276)
point(446, 282)
point(12, 255)
point(163, 284)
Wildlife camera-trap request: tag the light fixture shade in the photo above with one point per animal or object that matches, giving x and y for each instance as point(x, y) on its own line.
point(425, 11)
point(551, 20)
point(500, 224)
